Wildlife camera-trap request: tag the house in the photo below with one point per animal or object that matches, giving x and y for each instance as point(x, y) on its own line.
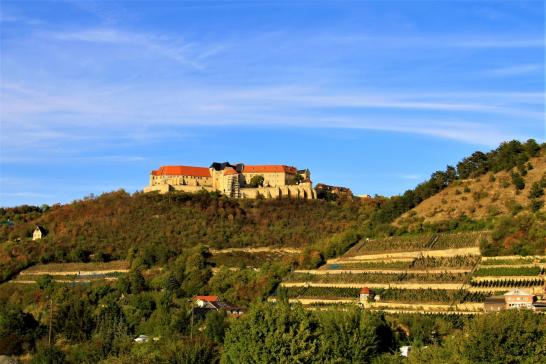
point(494, 304)
point(205, 301)
point(366, 295)
point(519, 299)
point(39, 232)
point(205, 304)
point(329, 192)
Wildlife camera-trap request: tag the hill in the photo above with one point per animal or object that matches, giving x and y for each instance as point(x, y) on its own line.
point(109, 226)
point(487, 195)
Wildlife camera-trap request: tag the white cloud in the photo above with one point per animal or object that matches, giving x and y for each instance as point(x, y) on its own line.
point(516, 70)
point(166, 46)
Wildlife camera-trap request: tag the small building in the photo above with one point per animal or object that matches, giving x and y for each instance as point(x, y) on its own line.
point(328, 192)
point(39, 232)
point(366, 294)
point(206, 303)
point(494, 304)
point(519, 299)
point(405, 350)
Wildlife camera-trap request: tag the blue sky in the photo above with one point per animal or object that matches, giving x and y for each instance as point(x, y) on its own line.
point(373, 95)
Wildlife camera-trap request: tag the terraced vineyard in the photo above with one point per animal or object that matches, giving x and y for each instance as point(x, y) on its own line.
point(377, 278)
point(441, 273)
point(508, 271)
point(73, 272)
point(420, 242)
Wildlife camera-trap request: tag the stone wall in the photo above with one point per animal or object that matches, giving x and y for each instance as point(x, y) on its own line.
point(303, 190)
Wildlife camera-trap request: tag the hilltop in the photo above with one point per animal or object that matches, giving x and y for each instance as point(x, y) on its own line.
point(112, 225)
point(488, 195)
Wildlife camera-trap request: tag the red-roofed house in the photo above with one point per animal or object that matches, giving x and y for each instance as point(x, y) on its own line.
point(365, 294)
point(205, 303)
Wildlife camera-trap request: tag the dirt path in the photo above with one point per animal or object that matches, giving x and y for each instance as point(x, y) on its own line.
point(428, 312)
point(533, 290)
point(469, 306)
point(264, 249)
point(451, 286)
point(526, 265)
point(411, 254)
point(75, 273)
point(78, 267)
point(22, 281)
point(513, 257)
point(385, 271)
point(500, 278)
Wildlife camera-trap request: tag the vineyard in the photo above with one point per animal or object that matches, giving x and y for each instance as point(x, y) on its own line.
point(377, 277)
point(323, 292)
point(419, 242)
point(371, 265)
point(429, 295)
point(423, 262)
point(508, 283)
point(508, 271)
point(425, 273)
point(457, 261)
point(392, 244)
point(460, 240)
point(517, 261)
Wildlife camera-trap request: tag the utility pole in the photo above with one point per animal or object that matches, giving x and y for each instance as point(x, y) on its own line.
point(50, 318)
point(191, 325)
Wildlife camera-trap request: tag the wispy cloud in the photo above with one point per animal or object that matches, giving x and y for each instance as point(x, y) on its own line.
point(161, 45)
point(435, 41)
point(111, 111)
point(516, 70)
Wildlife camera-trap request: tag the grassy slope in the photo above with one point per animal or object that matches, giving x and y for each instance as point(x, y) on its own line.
point(486, 197)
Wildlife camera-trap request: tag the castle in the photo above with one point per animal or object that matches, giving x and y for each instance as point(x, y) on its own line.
point(237, 181)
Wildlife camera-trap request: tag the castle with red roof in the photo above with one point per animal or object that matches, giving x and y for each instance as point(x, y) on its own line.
point(237, 181)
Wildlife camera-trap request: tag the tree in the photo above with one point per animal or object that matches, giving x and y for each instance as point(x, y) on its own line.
point(18, 330)
point(256, 181)
point(472, 166)
point(298, 179)
point(74, 319)
point(270, 333)
point(518, 180)
point(506, 337)
point(215, 326)
point(353, 337)
point(536, 190)
point(48, 355)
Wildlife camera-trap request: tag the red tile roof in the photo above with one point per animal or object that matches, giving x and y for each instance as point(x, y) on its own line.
point(207, 298)
point(365, 290)
point(229, 171)
point(182, 171)
point(269, 169)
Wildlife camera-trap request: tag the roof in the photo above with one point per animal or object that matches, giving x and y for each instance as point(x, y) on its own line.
point(229, 171)
point(518, 292)
point(207, 298)
point(182, 171)
point(273, 168)
point(494, 300)
point(365, 290)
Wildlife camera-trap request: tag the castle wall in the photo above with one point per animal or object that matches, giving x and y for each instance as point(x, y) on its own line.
point(276, 184)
